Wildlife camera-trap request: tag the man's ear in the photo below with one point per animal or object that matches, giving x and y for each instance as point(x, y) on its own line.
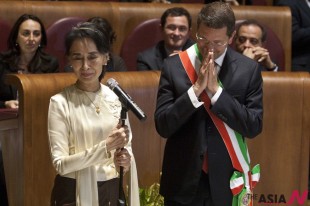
point(232, 37)
point(189, 33)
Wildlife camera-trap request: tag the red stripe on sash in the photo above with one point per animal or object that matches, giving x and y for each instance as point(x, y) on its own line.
point(191, 73)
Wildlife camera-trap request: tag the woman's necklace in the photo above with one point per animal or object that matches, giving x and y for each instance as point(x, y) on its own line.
point(23, 65)
point(97, 107)
point(22, 69)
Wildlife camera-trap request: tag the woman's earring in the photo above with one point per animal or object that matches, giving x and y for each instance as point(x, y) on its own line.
point(16, 44)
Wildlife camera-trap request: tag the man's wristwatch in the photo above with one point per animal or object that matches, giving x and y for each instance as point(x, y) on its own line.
point(274, 68)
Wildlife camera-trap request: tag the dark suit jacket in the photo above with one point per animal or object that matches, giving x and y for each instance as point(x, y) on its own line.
point(116, 64)
point(301, 33)
point(153, 58)
point(190, 131)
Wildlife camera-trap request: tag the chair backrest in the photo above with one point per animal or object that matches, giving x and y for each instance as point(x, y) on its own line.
point(274, 46)
point(56, 38)
point(5, 30)
point(143, 36)
point(259, 2)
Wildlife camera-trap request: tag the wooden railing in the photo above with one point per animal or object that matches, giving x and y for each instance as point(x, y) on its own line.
point(282, 148)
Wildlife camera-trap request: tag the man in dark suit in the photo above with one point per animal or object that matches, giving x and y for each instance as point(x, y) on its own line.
point(209, 100)
point(301, 38)
point(175, 25)
point(300, 33)
point(250, 40)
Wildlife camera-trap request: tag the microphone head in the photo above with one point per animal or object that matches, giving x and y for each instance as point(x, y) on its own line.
point(112, 83)
point(125, 99)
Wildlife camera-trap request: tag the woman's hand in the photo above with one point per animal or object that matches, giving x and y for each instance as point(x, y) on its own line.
point(12, 104)
point(119, 138)
point(122, 158)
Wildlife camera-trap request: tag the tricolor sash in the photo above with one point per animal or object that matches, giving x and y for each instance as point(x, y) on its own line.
point(243, 180)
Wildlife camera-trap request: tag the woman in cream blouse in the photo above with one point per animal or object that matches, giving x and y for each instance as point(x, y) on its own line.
point(84, 128)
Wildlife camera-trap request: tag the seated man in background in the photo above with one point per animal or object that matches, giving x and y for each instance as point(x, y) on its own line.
point(300, 33)
point(175, 25)
point(249, 40)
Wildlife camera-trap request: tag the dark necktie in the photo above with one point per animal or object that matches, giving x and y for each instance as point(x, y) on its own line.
point(205, 163)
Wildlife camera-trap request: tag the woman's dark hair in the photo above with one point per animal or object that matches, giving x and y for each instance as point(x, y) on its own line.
point(104, 24)
point(91, 31)
point(14, 31)
point(12, 55)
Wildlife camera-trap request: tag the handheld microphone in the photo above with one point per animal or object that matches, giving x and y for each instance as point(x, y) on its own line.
point(125, 99)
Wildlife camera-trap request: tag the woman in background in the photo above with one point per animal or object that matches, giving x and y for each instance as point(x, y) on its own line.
point(25, 54)
point(116, 63)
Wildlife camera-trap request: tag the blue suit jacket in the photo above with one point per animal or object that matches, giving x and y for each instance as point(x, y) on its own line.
point(190, 131)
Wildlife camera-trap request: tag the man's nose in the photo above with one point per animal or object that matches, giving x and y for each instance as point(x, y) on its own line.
point(177, 31)
point(247, 43)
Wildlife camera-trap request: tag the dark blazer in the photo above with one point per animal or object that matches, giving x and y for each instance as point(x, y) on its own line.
point(8, 92)
point(153, 58)
point(301, 33)
point(190, 131)
point(116, 64)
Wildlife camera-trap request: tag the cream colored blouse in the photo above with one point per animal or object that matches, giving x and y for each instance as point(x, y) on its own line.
point(77, 135)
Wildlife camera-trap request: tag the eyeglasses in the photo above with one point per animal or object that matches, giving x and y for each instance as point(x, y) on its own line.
point(206, 41)
point(243, 39)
